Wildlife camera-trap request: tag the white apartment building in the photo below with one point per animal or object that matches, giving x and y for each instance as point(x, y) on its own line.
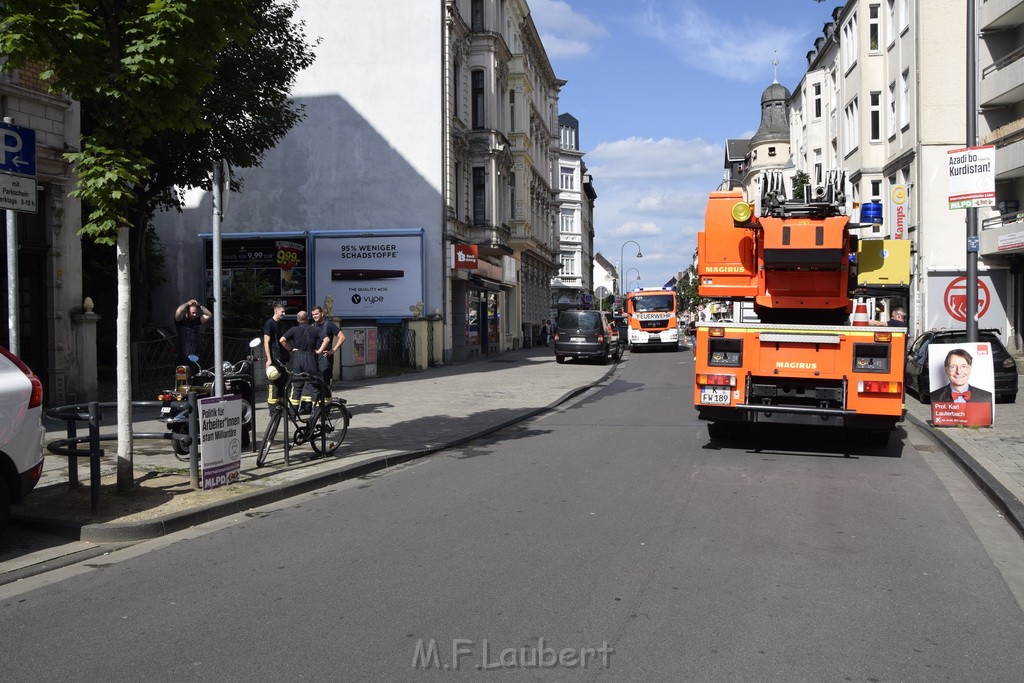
point(574, 283)
point(1001, 123)
point(884, 97)
point(430, 138)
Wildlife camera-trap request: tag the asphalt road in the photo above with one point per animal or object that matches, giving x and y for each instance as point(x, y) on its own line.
point(610, 533)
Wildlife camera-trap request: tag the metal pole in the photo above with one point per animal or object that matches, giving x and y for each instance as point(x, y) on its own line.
point(972, 140)
point(218, 320)
point(13, 344)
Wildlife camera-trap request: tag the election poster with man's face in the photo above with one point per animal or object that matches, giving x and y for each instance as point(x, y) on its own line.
point(962, 382)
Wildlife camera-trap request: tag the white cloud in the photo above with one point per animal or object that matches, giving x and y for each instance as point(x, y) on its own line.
point(732, 46)
point(564, 31)
point(648, 158)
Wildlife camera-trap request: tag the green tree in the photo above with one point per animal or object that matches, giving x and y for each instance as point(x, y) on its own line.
point(149, 73)
point(687, 291)
point(800, 181)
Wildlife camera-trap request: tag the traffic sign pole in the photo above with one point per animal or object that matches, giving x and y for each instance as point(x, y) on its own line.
point(12, 277)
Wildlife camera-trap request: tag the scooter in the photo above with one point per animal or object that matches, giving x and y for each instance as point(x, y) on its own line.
point(190, 378)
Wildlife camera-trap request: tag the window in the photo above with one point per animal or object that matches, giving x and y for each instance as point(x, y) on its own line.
point(874, 27)
point(905, 98)
point(817, 100)
point(568, 263)
point(890, 25)
point(512, 110)
point(566, 178)
point(568, 220)
point(851, 125)
point(477, 15)
point(876, 117)
point(512, 196)
point(892, 109)
point(478, 99)
point(568, 140)
point(848, 44)
point(876, 190)
point(457, 189)
point(904, 15)
point(456, 87)
point(479, 196)
point(817, 169)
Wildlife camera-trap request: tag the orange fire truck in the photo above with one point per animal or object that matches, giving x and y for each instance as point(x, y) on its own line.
point(651, 313)
point(804, 362)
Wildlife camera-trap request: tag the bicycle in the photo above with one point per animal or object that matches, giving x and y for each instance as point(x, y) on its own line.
point(325, 428)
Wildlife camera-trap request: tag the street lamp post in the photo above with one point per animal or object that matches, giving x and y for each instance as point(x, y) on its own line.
point(636, 280)
point(622, 258)
point(630, 271)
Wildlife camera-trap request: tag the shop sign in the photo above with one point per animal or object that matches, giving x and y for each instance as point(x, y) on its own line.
point(465, 256)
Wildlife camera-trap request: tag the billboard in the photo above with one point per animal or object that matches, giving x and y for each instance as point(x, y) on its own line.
point(279, 260)
point(369, 275)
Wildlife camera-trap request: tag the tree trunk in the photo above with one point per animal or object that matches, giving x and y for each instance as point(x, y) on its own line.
point(125, 466)
point(139, 269)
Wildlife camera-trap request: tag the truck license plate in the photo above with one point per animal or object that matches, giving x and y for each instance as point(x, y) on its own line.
point(714, 396)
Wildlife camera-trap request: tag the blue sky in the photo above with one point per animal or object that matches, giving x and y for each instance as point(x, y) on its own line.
point(658, 86)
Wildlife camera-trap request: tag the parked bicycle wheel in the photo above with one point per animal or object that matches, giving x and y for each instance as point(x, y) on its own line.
point(334, 423)
point(268, 437)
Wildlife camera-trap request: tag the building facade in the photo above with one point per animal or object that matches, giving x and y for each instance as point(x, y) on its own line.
point(430, 133)
point(49, 262)
point(574, 284)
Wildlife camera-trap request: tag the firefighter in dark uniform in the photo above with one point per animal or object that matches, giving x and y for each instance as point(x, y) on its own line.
point(304, 341)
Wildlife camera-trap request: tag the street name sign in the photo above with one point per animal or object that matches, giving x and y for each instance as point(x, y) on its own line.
point(17, 149)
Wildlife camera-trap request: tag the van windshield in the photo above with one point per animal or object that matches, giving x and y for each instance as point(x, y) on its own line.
point(653, 303)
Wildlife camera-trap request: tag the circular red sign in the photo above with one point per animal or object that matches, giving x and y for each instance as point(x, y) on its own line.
point(955, 299)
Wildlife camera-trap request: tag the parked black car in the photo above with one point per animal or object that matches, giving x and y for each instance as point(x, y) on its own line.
point(585, 334)
point(916, 374)
point(622, 325)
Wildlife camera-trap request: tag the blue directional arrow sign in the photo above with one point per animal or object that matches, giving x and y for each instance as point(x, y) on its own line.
point(17, 149)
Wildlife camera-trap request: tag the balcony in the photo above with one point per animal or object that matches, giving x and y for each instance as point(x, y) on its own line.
point(995, 15)
point(492, 240)
point(1002, 234)
point(1002, 82)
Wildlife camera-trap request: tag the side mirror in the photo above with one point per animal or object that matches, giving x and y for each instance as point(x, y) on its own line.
point(255, 343)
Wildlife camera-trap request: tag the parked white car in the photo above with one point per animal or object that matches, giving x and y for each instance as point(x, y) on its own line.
point(21, 432)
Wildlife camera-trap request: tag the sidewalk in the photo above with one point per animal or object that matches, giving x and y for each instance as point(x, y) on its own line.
point(394, 419)
point(401, 418)
point(992, 456)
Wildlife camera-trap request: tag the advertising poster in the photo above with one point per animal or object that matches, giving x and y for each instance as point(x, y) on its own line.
point(963, 382)
point(369, 275)
point(220, 439)
point(280, 262)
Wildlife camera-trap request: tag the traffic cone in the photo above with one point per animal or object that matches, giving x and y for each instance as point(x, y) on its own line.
point(860, 315)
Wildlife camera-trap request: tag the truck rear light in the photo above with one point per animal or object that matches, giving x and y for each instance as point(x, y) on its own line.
point(879, 387)
point(717, 380)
